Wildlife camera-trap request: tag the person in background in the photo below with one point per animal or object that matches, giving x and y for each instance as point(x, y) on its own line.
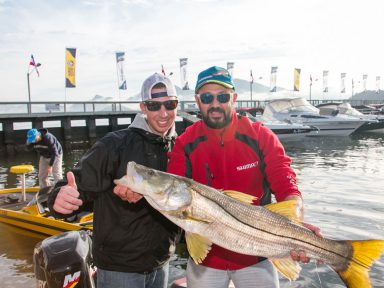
point(51, 155)
point(132, 243)
point(230, 152)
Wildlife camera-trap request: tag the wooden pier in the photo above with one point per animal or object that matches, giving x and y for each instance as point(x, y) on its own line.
point(75, 124)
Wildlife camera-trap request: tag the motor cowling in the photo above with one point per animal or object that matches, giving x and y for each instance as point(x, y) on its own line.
point(64, 260)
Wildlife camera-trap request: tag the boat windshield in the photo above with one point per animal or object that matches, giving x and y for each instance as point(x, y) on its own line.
point(347, 109)
point(294, 105)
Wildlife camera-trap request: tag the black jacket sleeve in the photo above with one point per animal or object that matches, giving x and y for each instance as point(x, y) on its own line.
point(94, 174)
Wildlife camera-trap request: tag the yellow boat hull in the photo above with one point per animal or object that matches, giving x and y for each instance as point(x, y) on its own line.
point(19, 189)
point(40, 224)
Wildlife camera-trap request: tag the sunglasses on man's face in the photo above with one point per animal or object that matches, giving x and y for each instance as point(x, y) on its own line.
point(207, 98)
point(156, 105)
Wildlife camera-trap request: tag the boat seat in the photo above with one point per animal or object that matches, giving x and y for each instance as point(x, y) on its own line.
point(22, 170)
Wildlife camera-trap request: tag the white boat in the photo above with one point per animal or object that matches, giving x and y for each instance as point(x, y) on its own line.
point(374, 122)
point(285, 131)
point(299, 110)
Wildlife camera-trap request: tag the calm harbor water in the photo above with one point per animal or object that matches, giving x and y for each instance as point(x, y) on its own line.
point(341, 180)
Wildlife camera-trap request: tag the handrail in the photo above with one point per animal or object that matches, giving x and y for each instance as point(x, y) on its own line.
point(115, 107)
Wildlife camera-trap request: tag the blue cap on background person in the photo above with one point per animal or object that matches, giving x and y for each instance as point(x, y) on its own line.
point(216, 75)
point(151, 81)
point(31, 135)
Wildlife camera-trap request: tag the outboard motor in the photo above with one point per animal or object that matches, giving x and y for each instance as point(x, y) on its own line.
point(64, 260)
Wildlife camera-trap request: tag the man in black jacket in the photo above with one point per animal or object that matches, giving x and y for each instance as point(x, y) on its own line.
point(132, 243)
point(51, 155)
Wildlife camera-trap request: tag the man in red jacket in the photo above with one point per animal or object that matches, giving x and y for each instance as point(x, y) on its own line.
point(229, 152)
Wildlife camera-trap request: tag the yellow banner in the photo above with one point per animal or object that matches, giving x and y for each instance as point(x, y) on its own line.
point(70, 67)
point(296, 83)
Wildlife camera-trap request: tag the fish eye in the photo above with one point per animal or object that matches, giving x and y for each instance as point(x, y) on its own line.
point(151, 172)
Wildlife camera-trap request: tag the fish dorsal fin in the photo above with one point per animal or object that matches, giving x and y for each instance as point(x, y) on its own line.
point(240, 196)
point(198, 246)
point(285, 208)
point(287, 267)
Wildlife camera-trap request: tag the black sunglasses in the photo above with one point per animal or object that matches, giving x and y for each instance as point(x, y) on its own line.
point(207, 98)
point(156, 105)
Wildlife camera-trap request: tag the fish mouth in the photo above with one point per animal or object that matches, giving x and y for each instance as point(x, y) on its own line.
point(132, 176)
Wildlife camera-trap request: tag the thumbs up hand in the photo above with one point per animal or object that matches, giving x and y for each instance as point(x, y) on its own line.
point(67, 200)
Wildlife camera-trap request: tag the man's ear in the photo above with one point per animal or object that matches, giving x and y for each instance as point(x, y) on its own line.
point(234, 97)
point(143, 108)
point(197, 99)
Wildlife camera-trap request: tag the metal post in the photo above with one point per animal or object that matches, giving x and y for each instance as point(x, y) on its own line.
point(23, 192)
point(251, 89)
point(29, 95)
point(310, 92)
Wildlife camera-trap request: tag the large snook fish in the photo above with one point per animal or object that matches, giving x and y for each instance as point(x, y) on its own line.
point(227, 219)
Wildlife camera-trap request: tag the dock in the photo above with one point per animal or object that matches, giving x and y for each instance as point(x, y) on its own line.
point(82, 123)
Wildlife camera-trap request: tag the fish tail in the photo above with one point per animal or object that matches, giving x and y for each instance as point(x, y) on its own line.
point(364, 254)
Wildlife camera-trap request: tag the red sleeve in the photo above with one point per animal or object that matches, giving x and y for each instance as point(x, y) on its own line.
point(176, 163)
point(280, 175)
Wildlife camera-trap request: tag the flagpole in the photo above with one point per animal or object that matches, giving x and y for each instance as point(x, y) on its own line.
point(251, 89)
point(310, 92)
point(29, 95)
point(117, 74)
point(35, 65)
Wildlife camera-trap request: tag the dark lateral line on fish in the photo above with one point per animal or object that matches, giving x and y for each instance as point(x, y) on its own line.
point(282, 236)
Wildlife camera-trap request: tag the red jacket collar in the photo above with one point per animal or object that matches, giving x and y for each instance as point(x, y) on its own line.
point(224, 134)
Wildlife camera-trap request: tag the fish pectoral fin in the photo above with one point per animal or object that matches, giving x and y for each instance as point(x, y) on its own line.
point(286, 208)
point(240, 196)
point(198, 246)
point(287, 267)
point(192, 218)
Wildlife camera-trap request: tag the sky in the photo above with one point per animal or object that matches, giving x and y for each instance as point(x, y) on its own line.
point(314, 35)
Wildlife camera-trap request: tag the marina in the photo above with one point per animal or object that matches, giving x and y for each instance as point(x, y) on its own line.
point(82, 123)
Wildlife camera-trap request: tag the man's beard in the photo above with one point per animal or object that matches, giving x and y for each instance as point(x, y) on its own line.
point(217, 125)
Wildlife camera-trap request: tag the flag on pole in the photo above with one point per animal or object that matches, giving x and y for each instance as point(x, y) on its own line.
point(325, 81)
point(343, 82)
point(365, 77)
point(273, 79)
point(162, 69)
point(296, 80)
point(183, 73)
point(34, 64)
point(310, 80)
point(353, 84)
point(230, 67)
point(121, 82)
point(70, 67)
point(377, 84)
point(251, 77)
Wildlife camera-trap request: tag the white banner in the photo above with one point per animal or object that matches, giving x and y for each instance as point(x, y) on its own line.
point(230, 67)
point(121, 82)
point(343, 82)
point(273, 79)
point(365, 77)
point(325, 81)
point(183, 73)
point(377, 84)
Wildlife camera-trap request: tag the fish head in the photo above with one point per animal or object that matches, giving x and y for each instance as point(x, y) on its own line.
point(164, 191)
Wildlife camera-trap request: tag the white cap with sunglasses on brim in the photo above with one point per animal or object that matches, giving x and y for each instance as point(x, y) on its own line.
point(151, 81)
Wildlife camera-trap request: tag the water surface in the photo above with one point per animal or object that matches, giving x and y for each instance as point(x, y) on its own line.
point(342, 184)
